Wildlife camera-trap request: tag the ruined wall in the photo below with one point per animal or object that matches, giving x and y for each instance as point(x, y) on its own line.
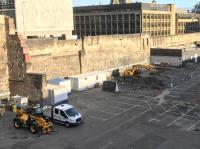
point(27, 63)
point(174, 40)
point(33, 86)
point(4, 84)
point(57, 58)
point(109, 52)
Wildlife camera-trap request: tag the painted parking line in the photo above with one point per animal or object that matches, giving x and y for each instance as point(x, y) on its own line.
point(111, 114)
point(136, 94)
point(191, 127)
point(128, 101)
point(144, 101)
point(96, 117)
point(103, 111)
point(168, 110)
point(116, 126)
point(165, 111)
point(133, 98)
point(121, 113)
point(99, 115)
point(173, 95)
point(171, 112)
point(125, 103)
point(181, 116)
point(112, 107)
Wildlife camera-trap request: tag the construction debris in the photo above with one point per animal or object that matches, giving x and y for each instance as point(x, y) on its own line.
point(110, 86)
point(156, 77)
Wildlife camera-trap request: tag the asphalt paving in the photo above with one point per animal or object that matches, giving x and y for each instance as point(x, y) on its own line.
point(134, 118)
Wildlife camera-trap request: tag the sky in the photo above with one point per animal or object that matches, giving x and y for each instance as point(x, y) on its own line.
point(179, 3)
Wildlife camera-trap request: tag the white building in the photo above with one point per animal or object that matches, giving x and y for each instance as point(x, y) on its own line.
point(44, 18)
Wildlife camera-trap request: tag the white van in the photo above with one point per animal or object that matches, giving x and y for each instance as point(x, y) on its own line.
point(65, 114)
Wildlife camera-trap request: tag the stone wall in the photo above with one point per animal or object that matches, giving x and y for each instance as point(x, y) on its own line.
point(110, 52)
point(55, 58)
point(33, 86)
point(17, 69)
point(28, 63)
point(4, 84)
point(59, 58)
point(174, 40)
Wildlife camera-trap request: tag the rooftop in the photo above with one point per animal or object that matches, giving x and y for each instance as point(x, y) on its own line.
point(64, 107)
point(129, 6)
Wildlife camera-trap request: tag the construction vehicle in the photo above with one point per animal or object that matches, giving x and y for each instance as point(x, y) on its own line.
point(64, 114)
point(32, 118)
point(131, 72)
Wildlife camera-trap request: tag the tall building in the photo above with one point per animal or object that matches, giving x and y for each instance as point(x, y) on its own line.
point(39, 17)
point(120, 1)
point(7, 7)
point(187, 22)
point(153, 18)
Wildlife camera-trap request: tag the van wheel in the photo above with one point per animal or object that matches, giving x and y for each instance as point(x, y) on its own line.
point(33, 129)
point(17, 123)
point(67, 124)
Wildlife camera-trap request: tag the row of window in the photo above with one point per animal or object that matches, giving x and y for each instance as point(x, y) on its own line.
point(85, 30)
point(107, 18)
point(157, 16)
point(6, 2)
point(188, 24)
point(182, 31)
point(156, 24)
point(158, 33)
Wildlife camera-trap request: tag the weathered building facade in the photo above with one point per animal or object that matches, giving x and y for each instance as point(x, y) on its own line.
point(187, 23)
point(153, 18)
point(7, 7)
point(54, 18)
point(44, 18)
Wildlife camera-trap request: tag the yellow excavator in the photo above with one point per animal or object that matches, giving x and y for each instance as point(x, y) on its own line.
point(131, 72)
point(32, 118)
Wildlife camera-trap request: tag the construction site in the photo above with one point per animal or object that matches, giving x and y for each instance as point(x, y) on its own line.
point(118, 76)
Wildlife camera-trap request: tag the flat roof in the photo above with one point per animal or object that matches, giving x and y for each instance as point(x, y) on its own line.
point(88, 74)
point(129, 6)
point(54, 87)
point(64, 107)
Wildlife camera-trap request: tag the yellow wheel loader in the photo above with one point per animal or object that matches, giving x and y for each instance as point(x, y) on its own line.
point(131, 72)
point(32, 118)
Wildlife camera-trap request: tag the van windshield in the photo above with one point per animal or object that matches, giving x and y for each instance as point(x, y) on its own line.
point(71, 112)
